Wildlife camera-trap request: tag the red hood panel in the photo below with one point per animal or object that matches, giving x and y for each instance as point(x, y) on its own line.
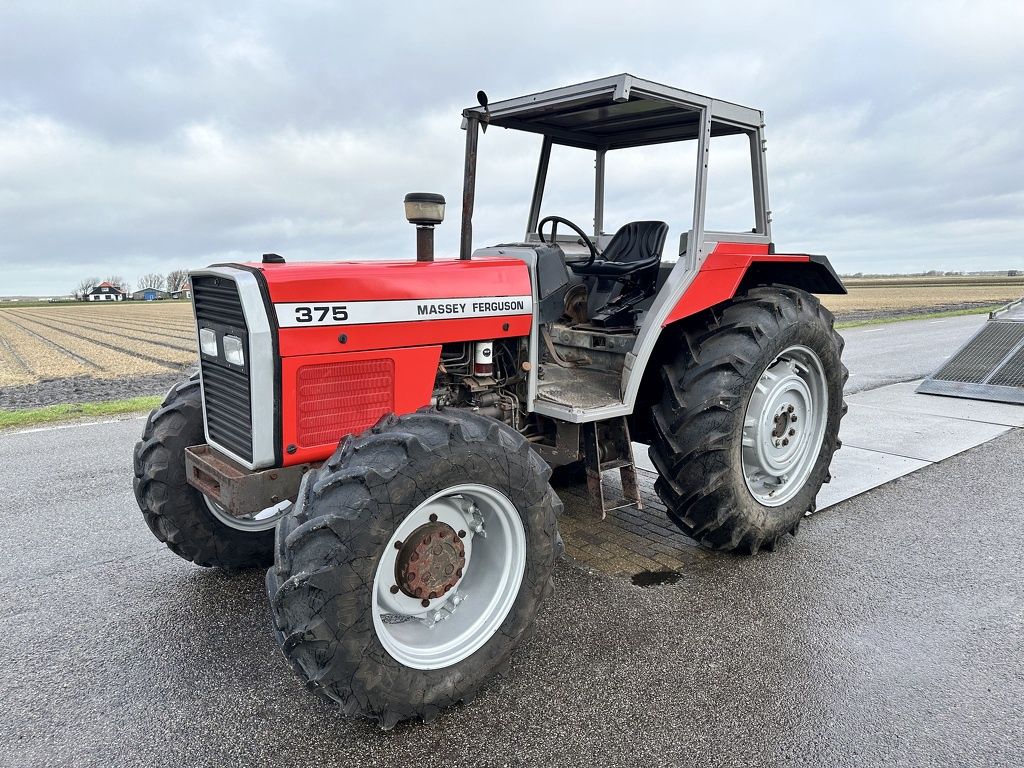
point(385, 280)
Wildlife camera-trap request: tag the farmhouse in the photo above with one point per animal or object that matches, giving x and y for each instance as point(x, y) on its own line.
point(105, 292)
point(149, 294)
point(184, 291)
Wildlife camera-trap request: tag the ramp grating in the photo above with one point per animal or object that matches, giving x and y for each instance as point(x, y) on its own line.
point(980, 356)
point(1011, 374)
point(988, 367)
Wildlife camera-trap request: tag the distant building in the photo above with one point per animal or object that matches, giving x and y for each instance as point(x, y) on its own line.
point(184, 291)
point(105, 292)
point(149, 294)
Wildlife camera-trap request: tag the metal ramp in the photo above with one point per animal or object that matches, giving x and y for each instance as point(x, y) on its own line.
point(988, 367)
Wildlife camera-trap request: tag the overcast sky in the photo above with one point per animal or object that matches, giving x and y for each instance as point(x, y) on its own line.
point(139, 136)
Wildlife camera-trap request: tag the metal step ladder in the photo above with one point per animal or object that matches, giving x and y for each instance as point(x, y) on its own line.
point(606, 447)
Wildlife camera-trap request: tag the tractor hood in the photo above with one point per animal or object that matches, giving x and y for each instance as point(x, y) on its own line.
point(381, 304)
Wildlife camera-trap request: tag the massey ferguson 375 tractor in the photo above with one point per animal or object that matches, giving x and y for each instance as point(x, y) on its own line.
point(381, 433)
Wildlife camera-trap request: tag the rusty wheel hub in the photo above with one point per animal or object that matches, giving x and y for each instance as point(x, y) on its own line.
point(430, 561)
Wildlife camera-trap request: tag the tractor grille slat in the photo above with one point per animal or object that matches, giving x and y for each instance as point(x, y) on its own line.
point(216, 299)
point(226, 390)
point(344, 398)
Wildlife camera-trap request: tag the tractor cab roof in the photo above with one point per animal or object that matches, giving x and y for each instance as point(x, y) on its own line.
point(616, 112)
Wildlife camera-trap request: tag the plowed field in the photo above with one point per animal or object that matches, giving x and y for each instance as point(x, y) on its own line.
point(105, 342)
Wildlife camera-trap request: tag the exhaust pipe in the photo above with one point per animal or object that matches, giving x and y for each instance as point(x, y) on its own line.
point(425, 210)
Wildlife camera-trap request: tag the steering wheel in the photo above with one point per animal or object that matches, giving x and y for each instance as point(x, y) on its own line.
point(583, 235)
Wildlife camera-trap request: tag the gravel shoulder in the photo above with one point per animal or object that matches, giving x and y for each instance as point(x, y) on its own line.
point(882, 315)
point(87, 389)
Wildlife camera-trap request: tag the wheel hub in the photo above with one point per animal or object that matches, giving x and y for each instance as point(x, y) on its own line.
point(448, 576)
point(784, 425)
point(430, 561)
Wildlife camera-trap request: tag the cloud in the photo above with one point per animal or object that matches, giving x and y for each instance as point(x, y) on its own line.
point(138, 137)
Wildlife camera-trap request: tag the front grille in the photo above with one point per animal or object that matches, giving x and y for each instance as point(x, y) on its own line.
point(216, 300)
point(227, 395)
point(338, 399)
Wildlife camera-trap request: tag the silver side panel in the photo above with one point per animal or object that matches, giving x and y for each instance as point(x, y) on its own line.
point(261, 367)
point(529, 256)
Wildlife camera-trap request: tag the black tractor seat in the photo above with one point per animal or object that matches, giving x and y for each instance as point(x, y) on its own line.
point(632, 258)
point(634, 251)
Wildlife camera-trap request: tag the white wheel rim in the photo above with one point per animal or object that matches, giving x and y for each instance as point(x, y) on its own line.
point(459, 622)
point(263, 520)
point(784, 426)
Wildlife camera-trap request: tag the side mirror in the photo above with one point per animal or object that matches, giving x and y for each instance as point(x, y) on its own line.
point(481, 98)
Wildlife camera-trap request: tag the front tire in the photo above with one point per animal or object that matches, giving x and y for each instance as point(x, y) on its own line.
point(749, 418)
point(414, 563)
point(178, 514)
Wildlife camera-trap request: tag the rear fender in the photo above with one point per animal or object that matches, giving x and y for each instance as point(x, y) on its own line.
point(734, 268)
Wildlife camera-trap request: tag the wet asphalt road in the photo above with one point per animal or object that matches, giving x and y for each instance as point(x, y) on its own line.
point(888, 633)
point(885, 354)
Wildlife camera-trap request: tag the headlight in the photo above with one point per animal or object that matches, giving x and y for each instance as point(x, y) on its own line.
point(208, 341)
point(233, 350)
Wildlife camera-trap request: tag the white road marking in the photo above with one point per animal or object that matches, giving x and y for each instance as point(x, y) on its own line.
point(55, 427)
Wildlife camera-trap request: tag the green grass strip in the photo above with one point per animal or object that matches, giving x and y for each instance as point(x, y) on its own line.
point(29, 417)
point(918, 316)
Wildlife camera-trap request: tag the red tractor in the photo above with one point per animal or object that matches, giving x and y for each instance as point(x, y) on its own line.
point(381, 434)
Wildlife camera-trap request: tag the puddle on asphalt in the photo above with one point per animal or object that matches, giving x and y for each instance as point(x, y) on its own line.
point(656, 578)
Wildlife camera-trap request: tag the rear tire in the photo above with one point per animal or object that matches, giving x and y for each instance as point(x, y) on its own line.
point(333, 573)
point(717, 393)
point(177, 513)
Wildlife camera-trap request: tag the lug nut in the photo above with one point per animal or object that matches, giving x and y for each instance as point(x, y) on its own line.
point(792, 418)
point(398, 545)
point(785, 441)
point(425, 603)
point(462, 534)
point(790, 408)
point(394, 589)
point(792, 432)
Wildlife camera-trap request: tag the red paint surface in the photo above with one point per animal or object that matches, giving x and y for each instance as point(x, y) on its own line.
point(310, 411)
point(379, 280)
point(721, 274)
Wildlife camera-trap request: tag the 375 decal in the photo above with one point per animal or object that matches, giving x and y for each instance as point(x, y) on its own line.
point(318, 314)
